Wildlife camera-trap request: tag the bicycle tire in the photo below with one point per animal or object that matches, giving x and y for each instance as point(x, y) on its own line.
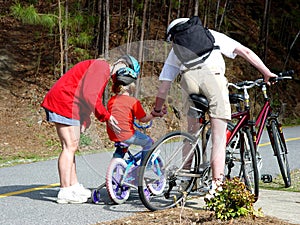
point(117, 192)
point(280, 150)
point(167, 155)
point(249, 163)
point(233, 167)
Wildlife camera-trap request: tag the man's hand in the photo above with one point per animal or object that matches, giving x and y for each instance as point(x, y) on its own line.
point(113, 124)
point(159, 113)
point(269, 75)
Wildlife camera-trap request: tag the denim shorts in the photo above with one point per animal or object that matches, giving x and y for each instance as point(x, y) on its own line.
point(55, 118)
point(137, 138)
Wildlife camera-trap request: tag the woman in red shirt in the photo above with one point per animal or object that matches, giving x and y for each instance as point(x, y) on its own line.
point(69, 104)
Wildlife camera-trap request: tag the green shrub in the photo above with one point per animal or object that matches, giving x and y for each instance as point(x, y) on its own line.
point(232, 199)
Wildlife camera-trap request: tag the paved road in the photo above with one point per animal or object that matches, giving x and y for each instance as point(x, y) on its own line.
point(27, 192)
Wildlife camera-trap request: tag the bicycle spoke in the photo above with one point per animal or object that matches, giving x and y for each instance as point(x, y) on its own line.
point(164, 180)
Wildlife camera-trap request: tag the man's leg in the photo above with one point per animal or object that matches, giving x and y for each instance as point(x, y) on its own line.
point(218, 127)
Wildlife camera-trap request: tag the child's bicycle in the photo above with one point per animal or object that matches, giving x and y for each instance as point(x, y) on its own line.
point(122, 174)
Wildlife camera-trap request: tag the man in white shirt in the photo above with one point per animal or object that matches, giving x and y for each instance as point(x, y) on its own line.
point(208, 78)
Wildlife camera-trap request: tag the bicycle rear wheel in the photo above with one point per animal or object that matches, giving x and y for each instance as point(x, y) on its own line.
point(168, 172)
point(280, 151)
point(241, 161)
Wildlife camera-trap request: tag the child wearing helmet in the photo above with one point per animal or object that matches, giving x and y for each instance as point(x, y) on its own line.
point(125, 108)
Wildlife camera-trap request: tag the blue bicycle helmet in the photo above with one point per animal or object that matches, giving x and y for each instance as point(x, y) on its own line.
point(127, 75)
point(132, 63)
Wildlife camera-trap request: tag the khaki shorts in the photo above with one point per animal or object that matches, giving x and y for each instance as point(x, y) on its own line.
point(211, 83)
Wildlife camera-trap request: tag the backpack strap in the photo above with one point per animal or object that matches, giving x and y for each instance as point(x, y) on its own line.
point(190, 65)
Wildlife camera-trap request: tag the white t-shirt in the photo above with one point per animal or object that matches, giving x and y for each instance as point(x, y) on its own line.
point(227, 45)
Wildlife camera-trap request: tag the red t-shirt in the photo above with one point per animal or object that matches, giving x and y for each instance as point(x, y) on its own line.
point(79, 92)
point(124, 108)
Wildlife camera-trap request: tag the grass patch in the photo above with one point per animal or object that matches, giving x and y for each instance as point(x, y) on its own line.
point(278, 184)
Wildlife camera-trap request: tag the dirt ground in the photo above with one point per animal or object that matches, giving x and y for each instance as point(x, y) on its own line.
point(188, 216)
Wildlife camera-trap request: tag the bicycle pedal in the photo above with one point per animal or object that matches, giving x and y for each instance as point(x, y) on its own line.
point(266, 178)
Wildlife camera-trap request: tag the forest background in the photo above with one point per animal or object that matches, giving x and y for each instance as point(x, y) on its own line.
point(40, 40)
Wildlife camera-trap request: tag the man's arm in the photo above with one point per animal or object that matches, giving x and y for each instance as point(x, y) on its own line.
point(161, 96)
point(252, 58)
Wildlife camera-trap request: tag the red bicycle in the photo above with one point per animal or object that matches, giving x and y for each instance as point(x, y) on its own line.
point(184, 157)
point(244, 135)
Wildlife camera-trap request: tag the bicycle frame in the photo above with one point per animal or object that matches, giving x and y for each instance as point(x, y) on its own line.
point(244, 119)
point(258, 126)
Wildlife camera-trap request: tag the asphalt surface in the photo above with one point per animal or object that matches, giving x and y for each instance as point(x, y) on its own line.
point(280, 204)
point(28, 192)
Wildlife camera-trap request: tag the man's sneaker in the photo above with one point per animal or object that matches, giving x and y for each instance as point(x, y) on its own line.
point(67, 195)
point(81, 191)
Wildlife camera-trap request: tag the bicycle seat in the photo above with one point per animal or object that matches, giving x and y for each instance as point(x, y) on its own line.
point(236, 98)
point(121, 144)
point(200, 101)
point(201, 105)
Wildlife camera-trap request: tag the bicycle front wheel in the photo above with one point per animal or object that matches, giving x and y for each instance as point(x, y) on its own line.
point(117, 191)
point(249, 163)
point(280, 151)
point(169, 170)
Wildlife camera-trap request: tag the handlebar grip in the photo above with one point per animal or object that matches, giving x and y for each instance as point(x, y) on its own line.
point(283, 75)
point(142, 126)
point(286, 73)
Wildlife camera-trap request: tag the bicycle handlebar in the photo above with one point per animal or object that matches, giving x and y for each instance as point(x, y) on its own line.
point(146, 126)
point(259, 82)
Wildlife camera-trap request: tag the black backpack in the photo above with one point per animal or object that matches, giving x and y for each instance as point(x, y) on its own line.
point(191, 40)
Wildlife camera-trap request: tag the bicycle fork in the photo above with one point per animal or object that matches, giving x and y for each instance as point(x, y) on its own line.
point(255, 144)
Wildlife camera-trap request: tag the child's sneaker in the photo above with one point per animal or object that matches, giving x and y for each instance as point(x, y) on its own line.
point(81, 191)
point(67, 195)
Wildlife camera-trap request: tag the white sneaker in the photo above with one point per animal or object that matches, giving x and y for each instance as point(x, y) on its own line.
point(67, 195)
point(81, 191)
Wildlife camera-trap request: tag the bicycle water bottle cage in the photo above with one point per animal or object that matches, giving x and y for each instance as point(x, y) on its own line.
point(200, 105)
point(236, 98)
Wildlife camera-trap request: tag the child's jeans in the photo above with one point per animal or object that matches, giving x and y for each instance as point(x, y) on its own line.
point(137, 138)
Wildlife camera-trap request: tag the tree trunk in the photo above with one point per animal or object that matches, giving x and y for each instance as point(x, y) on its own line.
point(99, 30)
point(140, 57)
point(217, 14)
point(107, 30)
point(60, 39)
point(178, 9)
point(169, 13)
point(290, 49)
point(266, 29)
point(196, 8)
point(223, 15)
point(66, 36)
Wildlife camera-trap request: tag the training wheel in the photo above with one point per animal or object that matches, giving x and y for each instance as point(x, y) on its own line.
point(95, 196)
